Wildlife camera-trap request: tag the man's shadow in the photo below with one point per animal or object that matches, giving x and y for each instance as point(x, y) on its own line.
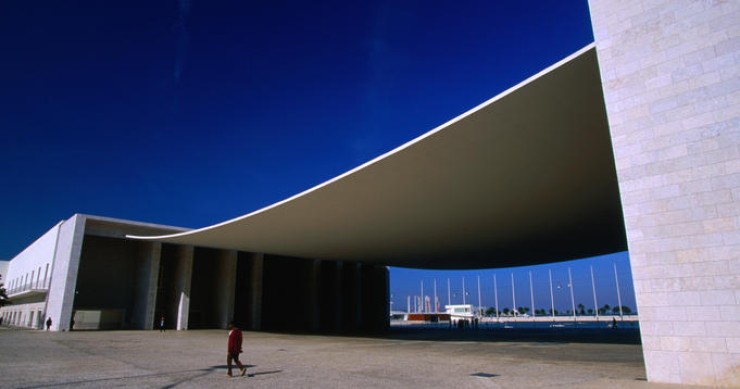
point(258, 373)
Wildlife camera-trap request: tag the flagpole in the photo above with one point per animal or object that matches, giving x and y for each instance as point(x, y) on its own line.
point(593, 287)
point(531, 293)
point(495, 295)
point(422, 296)
point(552, 299)
point(449, 296)
point(572, 297)
point(619, 296)
point(479, 300)
point(435, 296)
point(513, 294)
point(463, 292)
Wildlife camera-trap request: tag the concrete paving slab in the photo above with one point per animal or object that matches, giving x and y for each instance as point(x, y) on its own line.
point(401, 359)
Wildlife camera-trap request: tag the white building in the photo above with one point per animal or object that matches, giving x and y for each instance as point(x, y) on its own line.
point(84, 273)
point(27, 282)
point(630, 143)
point(460, 312)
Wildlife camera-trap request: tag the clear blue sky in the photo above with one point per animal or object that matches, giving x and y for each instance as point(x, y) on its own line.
point(192, 112)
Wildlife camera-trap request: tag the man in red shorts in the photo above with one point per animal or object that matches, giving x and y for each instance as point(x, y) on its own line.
point(234, 349)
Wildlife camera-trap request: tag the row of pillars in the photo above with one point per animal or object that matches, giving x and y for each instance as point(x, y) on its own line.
point(259, 291)
point(196, 287)
point(317, 295)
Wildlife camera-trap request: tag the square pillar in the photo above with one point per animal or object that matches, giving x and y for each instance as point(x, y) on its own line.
point(313, 286)
point(64, 274)
point(255, 290)
point(339, 295)
point(146, 285)
point(225, 287)
point(183, 278)
point(357, 304)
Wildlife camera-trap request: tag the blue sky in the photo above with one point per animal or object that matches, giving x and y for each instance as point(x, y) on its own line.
point(190, 112)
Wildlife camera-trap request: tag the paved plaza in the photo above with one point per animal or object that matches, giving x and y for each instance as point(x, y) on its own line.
point(404, 358)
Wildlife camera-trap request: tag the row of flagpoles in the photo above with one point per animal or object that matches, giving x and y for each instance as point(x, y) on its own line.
point(422, 303)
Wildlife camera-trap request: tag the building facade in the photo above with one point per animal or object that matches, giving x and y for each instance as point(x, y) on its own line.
point(671, 79)
point(85, 274)
point(670, 82)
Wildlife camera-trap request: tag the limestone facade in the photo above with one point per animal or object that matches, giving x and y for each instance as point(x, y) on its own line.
point(671, 76)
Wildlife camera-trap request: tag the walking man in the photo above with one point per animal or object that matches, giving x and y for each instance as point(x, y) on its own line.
point(234, 349)
point(48, 323)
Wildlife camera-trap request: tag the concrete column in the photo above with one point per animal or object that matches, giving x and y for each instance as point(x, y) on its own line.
point(357, 305)
point(225, 287)
point(384, 285)
point(339, 296)
point(255, 291)
point(670, 71)
point(145, 301)
point(183, 278)
point(375, 304)
point(312, 293)
point(64, 274)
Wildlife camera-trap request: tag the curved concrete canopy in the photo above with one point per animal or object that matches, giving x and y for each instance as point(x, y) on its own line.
point(527, 177)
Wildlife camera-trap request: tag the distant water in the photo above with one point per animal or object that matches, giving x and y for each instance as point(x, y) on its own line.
point(560, 324)
point(570, 324)
point(520, 331)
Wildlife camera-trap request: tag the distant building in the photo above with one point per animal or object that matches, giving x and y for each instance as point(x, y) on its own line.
point(460, 312)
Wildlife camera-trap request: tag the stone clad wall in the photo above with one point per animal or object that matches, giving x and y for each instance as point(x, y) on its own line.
point(671, 76)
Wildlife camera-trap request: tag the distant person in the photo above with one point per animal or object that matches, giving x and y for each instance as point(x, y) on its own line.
point(161, 323)
point(48, 323)
point(234, 349)
point(614, 323)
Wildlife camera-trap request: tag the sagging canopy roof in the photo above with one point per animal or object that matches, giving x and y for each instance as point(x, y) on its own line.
point(527, 177)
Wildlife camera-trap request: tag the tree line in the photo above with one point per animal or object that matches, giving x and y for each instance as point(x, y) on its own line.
point(580, 311)
point(3, 294)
